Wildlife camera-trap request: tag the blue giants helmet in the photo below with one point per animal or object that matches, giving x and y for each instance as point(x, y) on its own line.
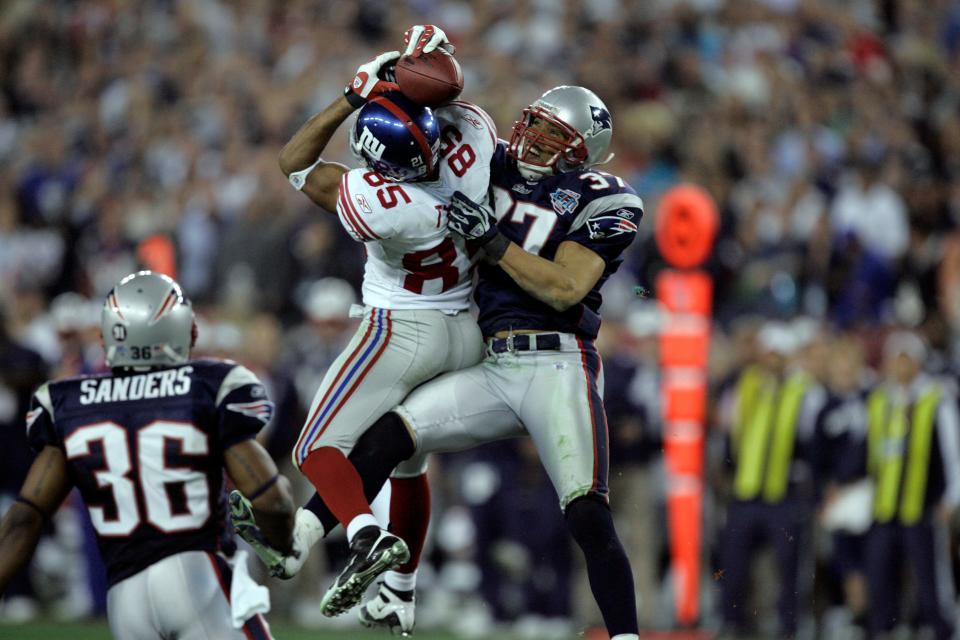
point(396, 138)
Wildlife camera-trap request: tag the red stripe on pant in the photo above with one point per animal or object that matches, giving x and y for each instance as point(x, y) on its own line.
point(598, 419)
point(333, 385)
point(363, 374)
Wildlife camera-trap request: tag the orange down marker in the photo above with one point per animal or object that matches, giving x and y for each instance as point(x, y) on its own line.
point(685, 228)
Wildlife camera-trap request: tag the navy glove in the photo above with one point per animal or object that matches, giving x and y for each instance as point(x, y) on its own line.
point(476, 224)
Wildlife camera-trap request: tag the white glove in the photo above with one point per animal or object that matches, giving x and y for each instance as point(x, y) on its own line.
point(373, 78)
point(424, 38)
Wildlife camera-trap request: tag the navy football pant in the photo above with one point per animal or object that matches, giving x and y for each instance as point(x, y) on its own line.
point(749, 526)
point(923, 548)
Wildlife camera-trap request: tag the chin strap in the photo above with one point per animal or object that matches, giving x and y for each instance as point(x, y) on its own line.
point(610, 156)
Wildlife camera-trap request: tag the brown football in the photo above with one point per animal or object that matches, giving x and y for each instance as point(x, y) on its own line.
point(430, 79)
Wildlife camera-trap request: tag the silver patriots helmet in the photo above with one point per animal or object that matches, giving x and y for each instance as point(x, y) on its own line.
point(146, 321)
point(566, 128)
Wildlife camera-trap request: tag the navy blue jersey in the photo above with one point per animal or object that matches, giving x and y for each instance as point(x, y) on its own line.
point(589, 207)
point(145, 449)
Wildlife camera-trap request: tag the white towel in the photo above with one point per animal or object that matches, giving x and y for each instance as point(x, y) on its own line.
point(247, 598)
point(852, 510)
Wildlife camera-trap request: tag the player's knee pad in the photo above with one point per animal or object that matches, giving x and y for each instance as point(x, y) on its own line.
point(591, 523)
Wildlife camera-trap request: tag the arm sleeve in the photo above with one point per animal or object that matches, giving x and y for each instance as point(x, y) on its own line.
point(948, 424)
point(41, 431)
point(243, 408)
point(359, 210)
point(608, 224)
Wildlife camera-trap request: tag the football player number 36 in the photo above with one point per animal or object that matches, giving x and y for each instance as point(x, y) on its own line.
point(155, 476)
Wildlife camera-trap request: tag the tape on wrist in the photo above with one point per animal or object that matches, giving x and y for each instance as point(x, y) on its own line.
point(496, 247)
point(355, 100)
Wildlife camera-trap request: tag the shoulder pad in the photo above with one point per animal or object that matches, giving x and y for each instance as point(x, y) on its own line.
point(238, 376)
point(44, 402)
point(613, 201)
point(469, 117)
point(359, 208)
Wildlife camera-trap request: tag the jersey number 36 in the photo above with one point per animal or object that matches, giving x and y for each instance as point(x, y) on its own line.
point(155, 476)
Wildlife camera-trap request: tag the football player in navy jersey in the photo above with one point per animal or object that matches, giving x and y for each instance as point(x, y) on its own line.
point(146, 445)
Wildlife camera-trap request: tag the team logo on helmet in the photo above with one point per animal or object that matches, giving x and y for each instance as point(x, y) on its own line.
point(119, 332)
point(601, 120)
point(564, 201)
point(370, 144)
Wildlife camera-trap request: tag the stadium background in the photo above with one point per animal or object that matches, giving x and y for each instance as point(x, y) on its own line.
point(145, 133)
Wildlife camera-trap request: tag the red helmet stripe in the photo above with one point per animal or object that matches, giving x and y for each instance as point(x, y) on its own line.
point(414, 130)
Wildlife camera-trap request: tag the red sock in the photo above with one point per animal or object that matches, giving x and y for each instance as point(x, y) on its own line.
point(337, 483)
point(410, 515)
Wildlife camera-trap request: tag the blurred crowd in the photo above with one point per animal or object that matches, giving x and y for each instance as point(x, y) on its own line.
point(828, 132)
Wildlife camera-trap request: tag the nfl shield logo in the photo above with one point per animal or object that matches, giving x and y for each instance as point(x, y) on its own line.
point(119, 332)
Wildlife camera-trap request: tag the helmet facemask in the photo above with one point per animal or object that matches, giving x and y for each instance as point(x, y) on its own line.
point(540, 152)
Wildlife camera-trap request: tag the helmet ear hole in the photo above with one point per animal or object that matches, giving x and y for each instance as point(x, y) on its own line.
point(194, 332)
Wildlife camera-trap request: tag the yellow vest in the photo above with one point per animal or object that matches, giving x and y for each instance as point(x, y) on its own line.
point(764, 433)
point(889, 437)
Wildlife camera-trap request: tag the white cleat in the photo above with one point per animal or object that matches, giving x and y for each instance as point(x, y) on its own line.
point(389, 609)
point(307, 530)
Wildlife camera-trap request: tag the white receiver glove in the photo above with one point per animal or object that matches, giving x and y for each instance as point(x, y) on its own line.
point(424, 38)
point(372, 79)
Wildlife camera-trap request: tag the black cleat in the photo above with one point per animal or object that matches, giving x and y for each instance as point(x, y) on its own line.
point(372, 552)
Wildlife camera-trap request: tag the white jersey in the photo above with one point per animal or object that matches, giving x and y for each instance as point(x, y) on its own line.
point(412, 261)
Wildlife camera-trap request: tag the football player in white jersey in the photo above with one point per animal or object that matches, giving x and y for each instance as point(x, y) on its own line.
point(416, 288)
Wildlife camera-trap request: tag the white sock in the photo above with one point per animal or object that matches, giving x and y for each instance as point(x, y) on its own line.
point(307, 528)
point(401, 581)
point(625, 636)
point(359, 522)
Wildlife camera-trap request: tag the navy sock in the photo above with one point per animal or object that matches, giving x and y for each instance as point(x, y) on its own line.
point(608, 567)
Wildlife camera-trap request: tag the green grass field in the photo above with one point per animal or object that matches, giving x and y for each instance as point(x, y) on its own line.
point(99, 631)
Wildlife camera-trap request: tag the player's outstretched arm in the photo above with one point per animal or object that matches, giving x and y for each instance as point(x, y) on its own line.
point(46, 486)
point(560, 283)
point(300, 158)
point(253, 472)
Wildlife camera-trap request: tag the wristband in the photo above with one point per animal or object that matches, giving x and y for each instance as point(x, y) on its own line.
point(32, 505)
point(355, 100)
point(496, 247)
point(264, 488)
point(299, 178)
